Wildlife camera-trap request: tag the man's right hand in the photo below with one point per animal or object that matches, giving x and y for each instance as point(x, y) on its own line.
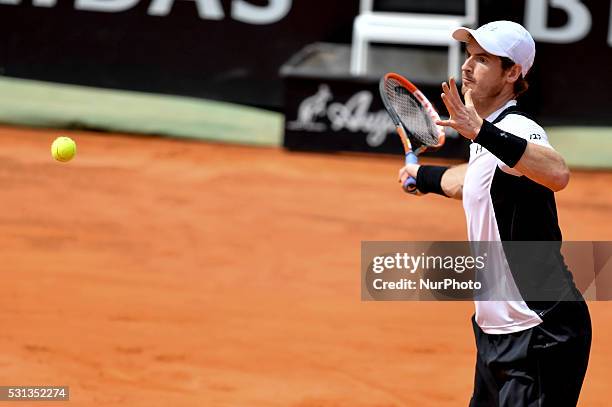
point(409, 170)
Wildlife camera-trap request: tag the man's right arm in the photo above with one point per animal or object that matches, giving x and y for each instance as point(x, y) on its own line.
point(451, 182)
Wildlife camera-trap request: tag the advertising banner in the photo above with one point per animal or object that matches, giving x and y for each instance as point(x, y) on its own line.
point(570, 82)
point(232, 50)
point(228, 50)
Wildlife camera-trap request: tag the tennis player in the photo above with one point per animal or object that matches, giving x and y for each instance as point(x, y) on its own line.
point(529, 353)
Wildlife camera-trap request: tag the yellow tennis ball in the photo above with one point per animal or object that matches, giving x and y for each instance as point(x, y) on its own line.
point(63, 149)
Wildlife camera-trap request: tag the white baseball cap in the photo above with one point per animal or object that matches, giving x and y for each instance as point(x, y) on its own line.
point(504, 39)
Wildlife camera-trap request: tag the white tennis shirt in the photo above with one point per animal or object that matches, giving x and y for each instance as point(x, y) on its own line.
point(494, 213)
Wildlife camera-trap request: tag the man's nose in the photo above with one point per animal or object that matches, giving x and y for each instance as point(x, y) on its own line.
point(467, 65)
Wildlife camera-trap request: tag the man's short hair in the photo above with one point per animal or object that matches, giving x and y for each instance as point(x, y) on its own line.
point(521, 85)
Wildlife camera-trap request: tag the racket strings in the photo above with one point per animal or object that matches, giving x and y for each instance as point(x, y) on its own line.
point(411, 112)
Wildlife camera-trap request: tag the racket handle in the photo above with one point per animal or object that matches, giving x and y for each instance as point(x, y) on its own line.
point(410, 183)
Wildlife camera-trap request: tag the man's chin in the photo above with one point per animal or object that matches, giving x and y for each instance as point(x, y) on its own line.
point(465, 86)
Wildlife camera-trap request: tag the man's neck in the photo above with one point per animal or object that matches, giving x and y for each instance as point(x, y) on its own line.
point(488, 106)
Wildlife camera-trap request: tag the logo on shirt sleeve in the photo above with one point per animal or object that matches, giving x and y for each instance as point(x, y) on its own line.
point(535, 136)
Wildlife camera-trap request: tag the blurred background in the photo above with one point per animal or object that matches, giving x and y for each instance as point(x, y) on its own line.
point(279, 56)
point(218, 264)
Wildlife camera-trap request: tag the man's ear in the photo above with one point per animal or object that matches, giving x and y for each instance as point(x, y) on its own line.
point(514, 73)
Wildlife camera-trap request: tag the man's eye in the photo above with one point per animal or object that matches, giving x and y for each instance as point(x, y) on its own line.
point(481, 59)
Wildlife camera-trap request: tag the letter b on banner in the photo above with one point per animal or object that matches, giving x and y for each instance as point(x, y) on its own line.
point(578, 21)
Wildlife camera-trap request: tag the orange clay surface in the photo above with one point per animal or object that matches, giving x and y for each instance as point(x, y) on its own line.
point(156, 272)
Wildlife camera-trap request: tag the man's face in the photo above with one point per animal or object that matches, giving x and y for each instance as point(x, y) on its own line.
point(482, 72)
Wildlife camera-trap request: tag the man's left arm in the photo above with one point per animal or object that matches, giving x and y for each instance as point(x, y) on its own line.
point(539, 163)
point(544, 166)
point(523, 149)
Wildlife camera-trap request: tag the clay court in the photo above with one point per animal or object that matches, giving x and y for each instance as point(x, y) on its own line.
point(157, 272)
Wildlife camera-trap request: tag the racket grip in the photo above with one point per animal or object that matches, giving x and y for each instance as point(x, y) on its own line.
point(410, 183)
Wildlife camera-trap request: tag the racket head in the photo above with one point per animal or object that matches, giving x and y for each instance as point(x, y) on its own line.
point(411, 111)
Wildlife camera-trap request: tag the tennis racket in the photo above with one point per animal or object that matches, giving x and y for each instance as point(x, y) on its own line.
point(414, 118)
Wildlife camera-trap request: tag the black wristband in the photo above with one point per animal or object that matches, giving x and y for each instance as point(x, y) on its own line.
point(505, 146)
point(429, 179)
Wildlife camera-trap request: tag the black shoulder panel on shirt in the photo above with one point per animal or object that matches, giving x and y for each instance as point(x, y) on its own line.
point(511, 110)
point(524, 209)
point(527, 211)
